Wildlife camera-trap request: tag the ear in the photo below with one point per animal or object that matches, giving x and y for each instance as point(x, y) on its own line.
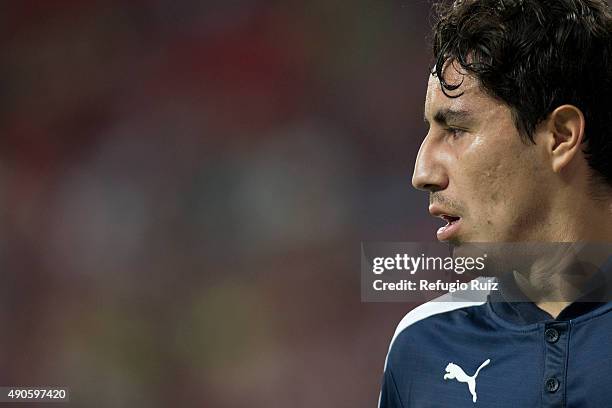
point(566, 132)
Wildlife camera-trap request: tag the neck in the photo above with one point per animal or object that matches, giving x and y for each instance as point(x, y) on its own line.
point(546, 298)
point(575, 215)
point(560, 273)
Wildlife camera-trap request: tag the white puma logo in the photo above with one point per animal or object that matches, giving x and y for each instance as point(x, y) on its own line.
point(453, 371)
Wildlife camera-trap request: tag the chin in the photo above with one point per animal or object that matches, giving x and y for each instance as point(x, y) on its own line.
point(456, 241)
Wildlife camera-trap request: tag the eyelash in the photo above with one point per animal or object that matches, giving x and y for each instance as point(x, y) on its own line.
point(455, 132)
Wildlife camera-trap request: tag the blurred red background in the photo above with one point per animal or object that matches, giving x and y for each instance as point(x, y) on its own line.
point(184, 189)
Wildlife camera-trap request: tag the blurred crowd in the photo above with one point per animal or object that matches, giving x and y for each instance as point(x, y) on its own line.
point(184, 188)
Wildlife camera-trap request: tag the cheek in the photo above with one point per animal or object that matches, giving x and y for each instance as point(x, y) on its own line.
point(498, 182)
point(510, 195)
point(488, 175)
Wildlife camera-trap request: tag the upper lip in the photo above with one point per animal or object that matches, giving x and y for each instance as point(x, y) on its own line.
point(440, 212)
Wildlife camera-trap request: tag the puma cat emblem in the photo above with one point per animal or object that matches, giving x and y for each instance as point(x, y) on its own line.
point(454, 372)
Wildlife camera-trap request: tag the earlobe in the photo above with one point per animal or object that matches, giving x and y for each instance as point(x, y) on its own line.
point(566, 124)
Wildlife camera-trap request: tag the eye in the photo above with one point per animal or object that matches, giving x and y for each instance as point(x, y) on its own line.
point(455, 133)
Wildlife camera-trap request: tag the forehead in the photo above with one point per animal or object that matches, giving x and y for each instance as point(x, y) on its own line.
point(473, 98)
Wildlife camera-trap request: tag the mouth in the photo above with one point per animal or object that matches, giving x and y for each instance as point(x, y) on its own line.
point(453, 222)
point(447, 231)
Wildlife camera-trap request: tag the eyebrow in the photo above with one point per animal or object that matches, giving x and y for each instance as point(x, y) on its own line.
point(446, 116)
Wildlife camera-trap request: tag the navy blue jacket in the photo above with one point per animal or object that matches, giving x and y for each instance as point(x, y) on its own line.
point(498, 353)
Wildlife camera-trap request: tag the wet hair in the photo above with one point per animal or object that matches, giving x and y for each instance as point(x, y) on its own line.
point(535, 55)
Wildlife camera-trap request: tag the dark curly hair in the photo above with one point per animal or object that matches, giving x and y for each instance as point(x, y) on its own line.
point(535, 55)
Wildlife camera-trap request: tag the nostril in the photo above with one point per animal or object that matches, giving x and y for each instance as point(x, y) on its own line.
point(429, 187)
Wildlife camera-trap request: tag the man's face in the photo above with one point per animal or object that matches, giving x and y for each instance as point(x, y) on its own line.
point(487, 183)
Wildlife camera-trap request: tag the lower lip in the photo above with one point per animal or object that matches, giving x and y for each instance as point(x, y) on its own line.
point(446, 232)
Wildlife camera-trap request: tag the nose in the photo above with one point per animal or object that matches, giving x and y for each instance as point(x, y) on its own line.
point(429, 171)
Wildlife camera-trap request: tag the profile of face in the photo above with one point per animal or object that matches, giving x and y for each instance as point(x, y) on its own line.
point(484, 180)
